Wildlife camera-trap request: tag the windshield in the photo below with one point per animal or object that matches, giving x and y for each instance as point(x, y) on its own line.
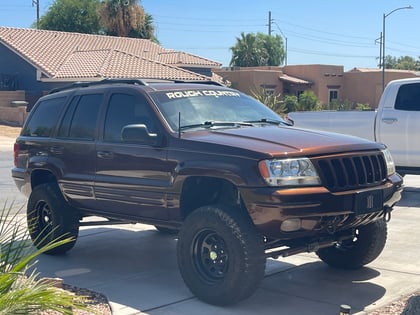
point(211, 107)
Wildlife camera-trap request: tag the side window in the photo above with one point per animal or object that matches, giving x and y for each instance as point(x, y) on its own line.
point(81, 117)
point(408, 97)
point(44, 118)
point(123, 110)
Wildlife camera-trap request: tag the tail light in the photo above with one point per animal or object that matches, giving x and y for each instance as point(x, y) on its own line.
point(16, 149)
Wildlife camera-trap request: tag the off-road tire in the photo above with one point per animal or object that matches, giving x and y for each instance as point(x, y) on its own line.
point(50, 218)
point(366, 246)
point(220, 254)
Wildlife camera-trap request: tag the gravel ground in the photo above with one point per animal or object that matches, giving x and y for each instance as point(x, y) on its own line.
point(398, 306)
point(98, 303)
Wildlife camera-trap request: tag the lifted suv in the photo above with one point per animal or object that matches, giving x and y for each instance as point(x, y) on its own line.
point(235, 180)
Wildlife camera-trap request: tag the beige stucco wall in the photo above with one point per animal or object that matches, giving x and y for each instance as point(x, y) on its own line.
point(9, 112)
point(250, 79)
point(323, 77)
point(356, 85)
point(365, 86)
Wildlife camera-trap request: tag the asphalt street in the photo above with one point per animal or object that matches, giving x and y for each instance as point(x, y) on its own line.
point(135, 267)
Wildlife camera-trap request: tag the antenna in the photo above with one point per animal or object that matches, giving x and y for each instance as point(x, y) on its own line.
point(179, 124)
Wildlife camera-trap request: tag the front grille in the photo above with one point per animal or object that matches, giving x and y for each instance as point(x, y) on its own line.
point(351, 171)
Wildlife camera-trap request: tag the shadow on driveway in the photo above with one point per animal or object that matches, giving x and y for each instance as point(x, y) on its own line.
point(135, 266)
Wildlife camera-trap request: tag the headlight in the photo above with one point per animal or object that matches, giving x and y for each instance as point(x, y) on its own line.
point(282, 172)
point(390, 166)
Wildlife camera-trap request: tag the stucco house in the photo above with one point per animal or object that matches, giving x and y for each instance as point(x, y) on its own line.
point(328, 82)
point(33, 62)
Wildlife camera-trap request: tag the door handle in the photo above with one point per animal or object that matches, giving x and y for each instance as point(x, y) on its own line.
point(389, 120)
point(105, 155)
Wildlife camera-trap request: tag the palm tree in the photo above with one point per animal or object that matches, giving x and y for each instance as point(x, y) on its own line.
point(126, 18)
point(246, 52)
point(253, 50)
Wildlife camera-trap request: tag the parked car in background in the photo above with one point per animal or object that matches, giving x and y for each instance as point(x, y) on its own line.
point(395, 123)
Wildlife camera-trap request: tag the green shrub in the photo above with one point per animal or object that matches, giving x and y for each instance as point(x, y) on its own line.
point(21, 290)
point(270, 100)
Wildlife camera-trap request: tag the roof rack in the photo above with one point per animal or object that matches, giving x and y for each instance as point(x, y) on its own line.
point(93, 83)
point(210, 82)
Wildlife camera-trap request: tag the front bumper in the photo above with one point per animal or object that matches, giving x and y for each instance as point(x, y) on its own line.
point(317, 209)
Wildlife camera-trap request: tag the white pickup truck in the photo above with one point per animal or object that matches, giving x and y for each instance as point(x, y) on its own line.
point(396, 123)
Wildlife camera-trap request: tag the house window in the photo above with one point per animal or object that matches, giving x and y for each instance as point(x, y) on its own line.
point(333, 95)
point(269, 89)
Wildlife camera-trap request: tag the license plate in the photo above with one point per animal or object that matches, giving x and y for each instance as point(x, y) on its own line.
point(368, 201)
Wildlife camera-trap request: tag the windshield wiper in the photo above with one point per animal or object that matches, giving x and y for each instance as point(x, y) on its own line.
point(210, 124)
point(268, 121)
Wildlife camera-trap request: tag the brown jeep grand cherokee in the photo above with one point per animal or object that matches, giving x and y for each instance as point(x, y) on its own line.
point(235, 180)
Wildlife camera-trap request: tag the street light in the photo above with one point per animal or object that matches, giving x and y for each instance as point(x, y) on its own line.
point(383, 41)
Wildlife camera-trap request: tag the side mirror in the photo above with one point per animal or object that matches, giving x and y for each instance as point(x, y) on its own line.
point(289, 120)
point(138, 134)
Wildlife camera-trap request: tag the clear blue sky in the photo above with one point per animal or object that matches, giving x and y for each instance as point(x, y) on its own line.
point(318, 32)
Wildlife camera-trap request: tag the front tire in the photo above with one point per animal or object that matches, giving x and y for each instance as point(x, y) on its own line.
point(365, 247)
point(220, 255)
point(50, 218)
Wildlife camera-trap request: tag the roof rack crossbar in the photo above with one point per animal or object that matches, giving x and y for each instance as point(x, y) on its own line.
point(93, 83)
point(209, 82)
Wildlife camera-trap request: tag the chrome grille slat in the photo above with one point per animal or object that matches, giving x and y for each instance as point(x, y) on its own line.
point(351, 171)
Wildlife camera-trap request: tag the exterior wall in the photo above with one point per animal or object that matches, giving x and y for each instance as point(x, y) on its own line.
point(366, 86)
point(251, 79)
point(25, 74)
point(357, 85)
point(11, 110)
point(323, 77)
point(7, 97)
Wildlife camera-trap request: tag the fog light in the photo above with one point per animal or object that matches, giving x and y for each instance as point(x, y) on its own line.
point(291, 225)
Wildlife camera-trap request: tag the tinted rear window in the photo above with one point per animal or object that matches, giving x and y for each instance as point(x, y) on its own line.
point(44, 118)
point(408, 97)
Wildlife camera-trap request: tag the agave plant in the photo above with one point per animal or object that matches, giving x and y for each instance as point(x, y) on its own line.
point(21, 289)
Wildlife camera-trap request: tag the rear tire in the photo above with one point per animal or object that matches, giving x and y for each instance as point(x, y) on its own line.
point(220, 255)
point(366, 246)
point(50, 218)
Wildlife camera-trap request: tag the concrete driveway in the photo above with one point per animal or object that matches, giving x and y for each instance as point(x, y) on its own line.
point(135, 267)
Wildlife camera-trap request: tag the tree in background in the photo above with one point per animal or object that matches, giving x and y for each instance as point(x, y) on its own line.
point(125, 18)
point(402, 63)
point(253, 50)
point(72, 16)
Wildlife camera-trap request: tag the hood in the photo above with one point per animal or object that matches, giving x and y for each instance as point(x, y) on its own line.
point(282, 141)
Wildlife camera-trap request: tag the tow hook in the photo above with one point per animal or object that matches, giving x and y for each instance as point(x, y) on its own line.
point(387, 214)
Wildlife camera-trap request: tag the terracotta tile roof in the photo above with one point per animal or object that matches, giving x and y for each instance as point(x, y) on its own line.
point(110, 63)
point(288, 78)
point(183, 58)
point(379, 70)
point(75, 55)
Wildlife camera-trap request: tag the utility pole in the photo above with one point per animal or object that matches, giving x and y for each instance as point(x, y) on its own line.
point(36, 2)
point(270, 22)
